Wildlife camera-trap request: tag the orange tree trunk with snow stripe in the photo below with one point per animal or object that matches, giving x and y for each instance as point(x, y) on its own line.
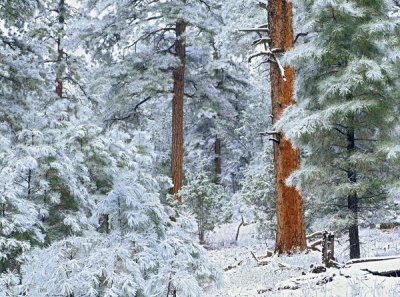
point(290, 233)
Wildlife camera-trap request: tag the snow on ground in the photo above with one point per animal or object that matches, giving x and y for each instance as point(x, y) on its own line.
point(291, 276)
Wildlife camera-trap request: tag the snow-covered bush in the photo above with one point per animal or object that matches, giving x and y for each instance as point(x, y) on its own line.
point(131, 247)
point(140, 252)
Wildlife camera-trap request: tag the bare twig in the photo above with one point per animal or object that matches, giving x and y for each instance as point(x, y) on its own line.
point(254, 30)
point(145, 36)
point(264, 260)
point(261, 40)
point(140, 103)
point(238, 229)
point(299, 35)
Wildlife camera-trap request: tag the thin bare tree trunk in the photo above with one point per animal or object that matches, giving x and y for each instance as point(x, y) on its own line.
point(290, 233)
point(217, 160)
point(60, 50)
point(217, 143)
point(177, 111)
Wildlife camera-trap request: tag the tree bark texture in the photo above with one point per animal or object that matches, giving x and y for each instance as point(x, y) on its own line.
point(352, 201)
point(60, 50)
point(217, 159)
point(177, 111)
point(290, 233)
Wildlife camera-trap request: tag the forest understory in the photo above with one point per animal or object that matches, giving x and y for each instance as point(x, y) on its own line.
point(292, 275)
point(187, 148)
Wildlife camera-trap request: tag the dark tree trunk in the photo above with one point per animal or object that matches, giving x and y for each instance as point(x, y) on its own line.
point(201, 236)
point(233, 182)
point(217, 143)
point(60, 50)
point(217, 159)
point(352, 201)
point(177, 111)
point(290, 233)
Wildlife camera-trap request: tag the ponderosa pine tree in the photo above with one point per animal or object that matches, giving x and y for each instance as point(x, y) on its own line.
point(243, 94)
point(290, 234)
point(53, 152)
point(65, 174)
point(346, 94)
point(219, 123)
point(121, 186)
point(61, 11)
point(153, 48)
point(136, 251)
point(22, 82)
point(206, 200)
point(278, 39)
point(177, 150)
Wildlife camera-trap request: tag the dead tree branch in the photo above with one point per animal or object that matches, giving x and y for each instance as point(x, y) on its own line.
point(299, 35)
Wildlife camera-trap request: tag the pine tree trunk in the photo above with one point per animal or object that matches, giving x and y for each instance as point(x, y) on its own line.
point(290, 233)
point(217, 159)
point(201, 236)
point(60, 50)
point(217, 143)
point(352, 201)
point(177, 111)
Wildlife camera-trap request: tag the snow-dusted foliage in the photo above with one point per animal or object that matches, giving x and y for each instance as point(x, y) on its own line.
point(131, 247)
point(85, 142)
point(84, 194)
point(140, 251)
point(346, 94)
point(207, 201)
point(22, 81)
point(258, 193)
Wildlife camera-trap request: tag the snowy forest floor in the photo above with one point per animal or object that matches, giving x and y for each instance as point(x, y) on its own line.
point(284, 276)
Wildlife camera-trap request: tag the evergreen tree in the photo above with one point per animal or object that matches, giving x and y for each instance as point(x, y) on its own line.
point(22, 82)
point(207, 201)
point(136, 250)
point(274, 39)
point(97, 186)
point(144, 56)
point(258, 193)
point(346, 92)
point(55, 153)
point(290, 232)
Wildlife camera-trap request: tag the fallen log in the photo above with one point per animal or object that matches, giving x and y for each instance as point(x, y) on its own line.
point(373, 259)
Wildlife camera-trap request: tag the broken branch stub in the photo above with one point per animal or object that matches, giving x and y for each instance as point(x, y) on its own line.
point(328, 249)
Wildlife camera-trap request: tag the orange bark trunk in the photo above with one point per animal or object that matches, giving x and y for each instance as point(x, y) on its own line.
point(177, 111)
point(290, 233)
